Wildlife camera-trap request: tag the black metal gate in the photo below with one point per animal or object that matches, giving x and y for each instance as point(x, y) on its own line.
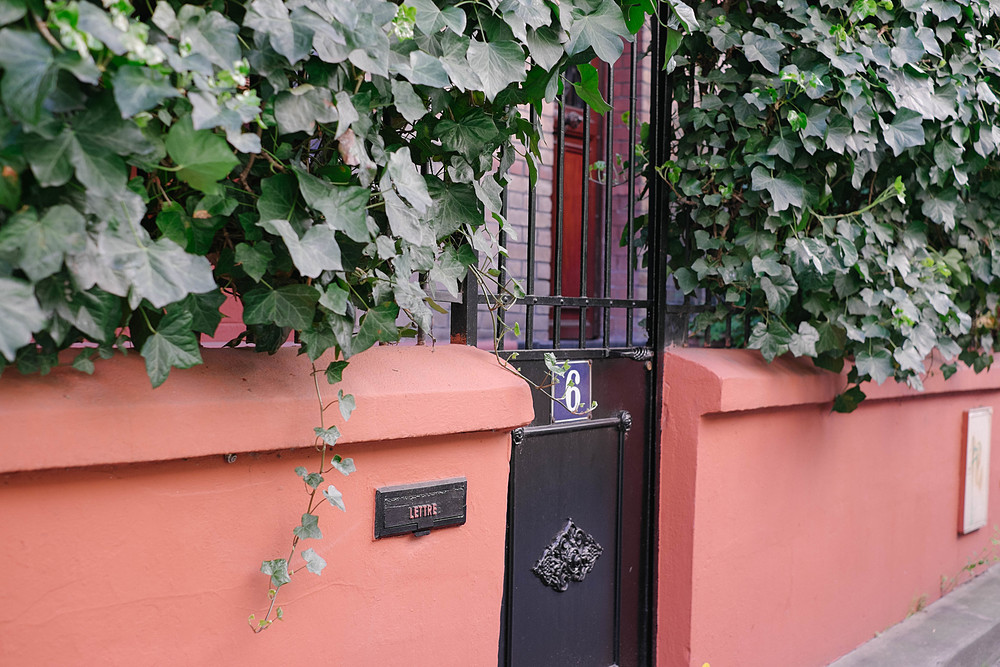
point(579, 588)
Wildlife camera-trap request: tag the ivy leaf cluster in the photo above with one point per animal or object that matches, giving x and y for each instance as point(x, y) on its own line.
point(327, 163)
point(835, 181)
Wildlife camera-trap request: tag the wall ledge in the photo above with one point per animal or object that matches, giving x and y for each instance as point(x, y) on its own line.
point(735, 380)
point(240, 401)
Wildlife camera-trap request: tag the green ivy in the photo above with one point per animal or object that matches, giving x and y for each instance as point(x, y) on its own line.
point(321, 160)
point(835, 181)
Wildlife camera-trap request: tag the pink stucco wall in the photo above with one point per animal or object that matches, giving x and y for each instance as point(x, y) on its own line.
point(129, 540)
point(789, 535)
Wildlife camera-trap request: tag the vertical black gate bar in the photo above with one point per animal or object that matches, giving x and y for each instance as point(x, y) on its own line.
point(630, 248)
point(584, 227)
point(465, 312)
point(506, 644)
point(660, 136)
point(529, 311)
point(557, 241)
point(501, 320)
point(624, 422)
point(609, 146)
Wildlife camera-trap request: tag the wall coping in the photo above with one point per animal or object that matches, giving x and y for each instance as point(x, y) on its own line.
point(731, 380)
point(254, 402)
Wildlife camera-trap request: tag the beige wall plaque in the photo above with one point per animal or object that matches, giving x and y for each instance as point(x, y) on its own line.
point(975, 488)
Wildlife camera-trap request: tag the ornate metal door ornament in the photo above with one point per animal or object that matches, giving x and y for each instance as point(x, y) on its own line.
point(570, 557)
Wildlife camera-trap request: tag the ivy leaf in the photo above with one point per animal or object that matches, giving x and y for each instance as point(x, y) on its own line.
point(335, 497)
point(455, 205)
point(779, 290)
point(38, 246)
point(687, 280)
point(49, 160)
point(378, 325)
point(498, 64)
point(313, 479)
point(343, 206)
point(602, 30)
point(314, 562)
point(334, 298)
point(403, 220)
point(454, 59)
point(254, 258)
point(468, 134)
point(905, 131)
point(29, 73)
point(309, 528)
point(20, 316)
point(203, 157)
point(534, 13)
point(545, 47)
point(317, 251)
point(941, 209)
point(195, 235)
point(159, 271)
point(672, 43)
point(849, 400)
point(909, 358)
point(346, 403)
point(771, 339)
point(803, 343)
point(328, 435)
point(407, 101)
point(345, 466)
point(908, 49)
point(83, 363)
point(204, 310)
point(277, 569)
point(430, 19)
point(271, 18)
point(760, 49)
point(407, 180)
point(839, 128)
point(279, 200)
point(589, 90)
point(171, 345)
point(299, 109)
point(138, 89)
point(317, 339)
point(11, 11)
point(335, 371)
point(289, 306)
point(785, 190)
point(426, 70)
point(100, 170)
point(683, 13)
point(448, 270)
point(876, 364)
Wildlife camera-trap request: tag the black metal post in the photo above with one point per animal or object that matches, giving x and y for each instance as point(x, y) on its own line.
point(660, 138)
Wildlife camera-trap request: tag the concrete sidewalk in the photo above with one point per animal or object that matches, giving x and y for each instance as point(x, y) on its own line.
point(961, 629)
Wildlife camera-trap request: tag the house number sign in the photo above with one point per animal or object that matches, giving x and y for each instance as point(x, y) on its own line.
point(417, 508)
point(573, 392)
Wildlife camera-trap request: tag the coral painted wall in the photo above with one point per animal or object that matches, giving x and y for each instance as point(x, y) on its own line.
point(117, 557)
point(790, 534)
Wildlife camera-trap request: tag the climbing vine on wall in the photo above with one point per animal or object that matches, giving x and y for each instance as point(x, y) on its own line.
point(327, 163)
point(835, 180)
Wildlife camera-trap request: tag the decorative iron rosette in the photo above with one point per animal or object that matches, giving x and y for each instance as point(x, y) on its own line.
point(570, 557)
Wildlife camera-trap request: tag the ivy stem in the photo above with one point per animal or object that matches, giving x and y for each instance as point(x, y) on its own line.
point(148, 323)
point(47, 36)
point(310, 506)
